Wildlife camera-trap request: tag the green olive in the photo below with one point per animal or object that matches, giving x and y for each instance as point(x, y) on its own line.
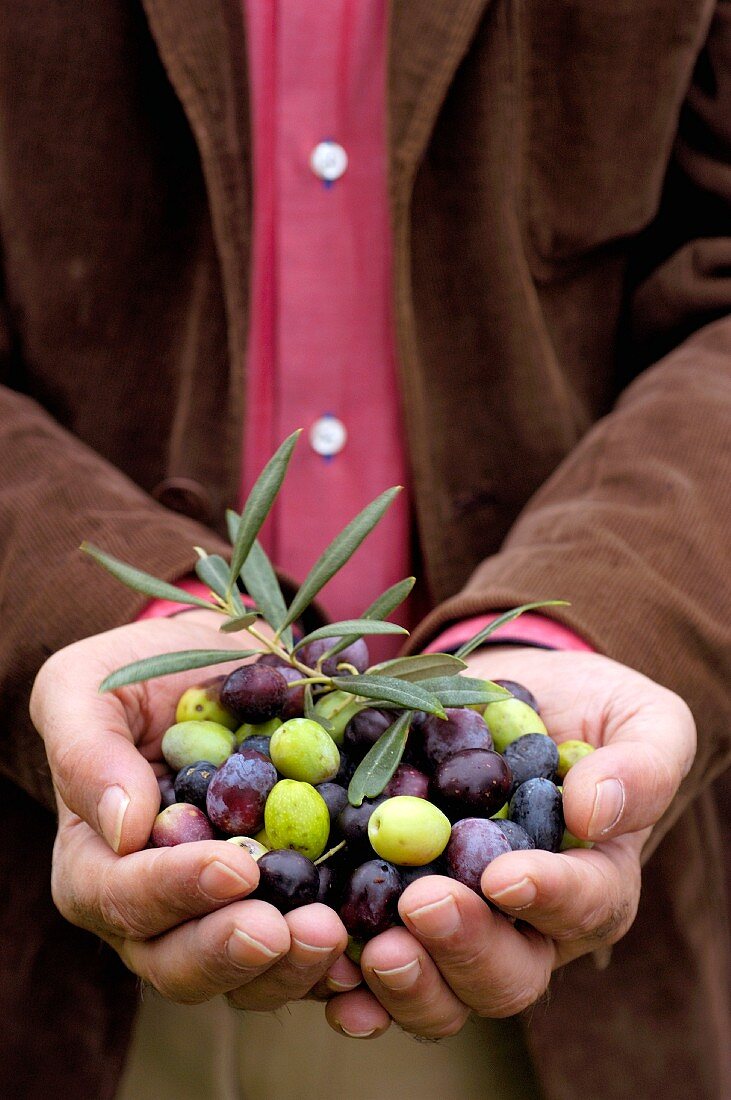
point(338, 707)
point(203, 703)
point(261, 729)
point(296, 816)
point(509, 719)
point(570, 841)
point(569, 753)
point(254, 847)
point(303, 749)
point(408, 830)
point(188, 742)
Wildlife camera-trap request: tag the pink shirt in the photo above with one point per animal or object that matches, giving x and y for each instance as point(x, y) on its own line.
point(321, 348)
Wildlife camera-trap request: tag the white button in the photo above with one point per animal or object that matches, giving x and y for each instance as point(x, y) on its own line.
point(328, 160)
point(328, 436)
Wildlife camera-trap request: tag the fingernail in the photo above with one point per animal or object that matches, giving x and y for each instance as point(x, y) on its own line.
point(437, 920)
point(342, 987)
point(244, 950)
point(401, 977)
point(517, 895)
point(222, 883)
point(608, 807)
point(311, 952)
point(357, 1034)
point(110, 811)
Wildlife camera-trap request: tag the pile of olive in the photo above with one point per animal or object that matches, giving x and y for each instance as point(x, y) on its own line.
point(248, 767)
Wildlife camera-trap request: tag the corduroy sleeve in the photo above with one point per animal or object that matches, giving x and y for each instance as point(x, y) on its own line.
point(54, 493)
point(634, 528)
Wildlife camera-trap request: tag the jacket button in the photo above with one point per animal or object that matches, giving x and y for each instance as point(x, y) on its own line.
point(186, 496)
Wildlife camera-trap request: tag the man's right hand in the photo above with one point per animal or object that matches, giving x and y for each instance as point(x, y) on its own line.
point(177, 916)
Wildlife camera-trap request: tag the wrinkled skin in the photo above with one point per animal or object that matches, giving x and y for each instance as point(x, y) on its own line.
point(179, 917)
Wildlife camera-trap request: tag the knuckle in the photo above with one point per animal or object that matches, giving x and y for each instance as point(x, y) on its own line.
point(67, 769)
point(509, 1001)
point(121, 917)
point(170, 987)
point(448, 1028)
point(604, 923)
point(66, 900)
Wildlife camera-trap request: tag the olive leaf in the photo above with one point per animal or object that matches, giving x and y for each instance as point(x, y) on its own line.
point(166, 663)
point(262, 585)
point(212, 569)
point(508, 617)
point(389, 600)
point(380, 762)
point(310, 712)
point(381, 607)
point(144, 582)
point(422, 666)
point(258, 505)
point(232, 626)
point(261, 582)
point(390, 690)
point(464, 691)
point(340, 550)
point(355, 627)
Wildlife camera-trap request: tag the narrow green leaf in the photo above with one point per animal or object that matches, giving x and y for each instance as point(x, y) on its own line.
point(311, 713)
point(232, 626)
point(423, 666)
point(357, 627)
point(389, 600)
point(340, 550)
point(309, 706)
point(144, 582)
point(212, 569)
point(262, 585)
point(380, 762)
point(259, 502)
point(233, 519)
point(463, 691)
point(403, 694)
point(166, 663)
point(381, 608)
point(508, 617)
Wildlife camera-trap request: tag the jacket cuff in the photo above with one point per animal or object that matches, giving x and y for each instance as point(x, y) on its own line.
point(529, 629)
point(164, 609)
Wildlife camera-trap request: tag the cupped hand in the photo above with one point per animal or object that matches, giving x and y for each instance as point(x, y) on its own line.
point(179, 917)
point(456, 954)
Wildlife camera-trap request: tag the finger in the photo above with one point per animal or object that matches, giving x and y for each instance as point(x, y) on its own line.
point(627, 785)
point(145, 893)
point(581, 899)
point(491, 966)
point(317, 939)
point(341, 977)
point(357, 1015)
point(408, 985)
point(212, 955)
point(98, 773)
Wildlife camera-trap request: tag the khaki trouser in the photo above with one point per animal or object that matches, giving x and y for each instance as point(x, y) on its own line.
point(210, 1052)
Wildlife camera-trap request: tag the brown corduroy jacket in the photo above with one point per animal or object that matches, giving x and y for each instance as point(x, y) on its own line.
point(560, 178)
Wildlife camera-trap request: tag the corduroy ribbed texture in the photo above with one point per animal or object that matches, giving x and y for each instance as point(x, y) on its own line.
point(559, 223)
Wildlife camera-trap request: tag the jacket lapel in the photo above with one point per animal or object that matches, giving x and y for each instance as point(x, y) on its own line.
point(428, 40)
point(201, 44)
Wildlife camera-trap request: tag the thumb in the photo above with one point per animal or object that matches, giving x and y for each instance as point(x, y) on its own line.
point(97, 771)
